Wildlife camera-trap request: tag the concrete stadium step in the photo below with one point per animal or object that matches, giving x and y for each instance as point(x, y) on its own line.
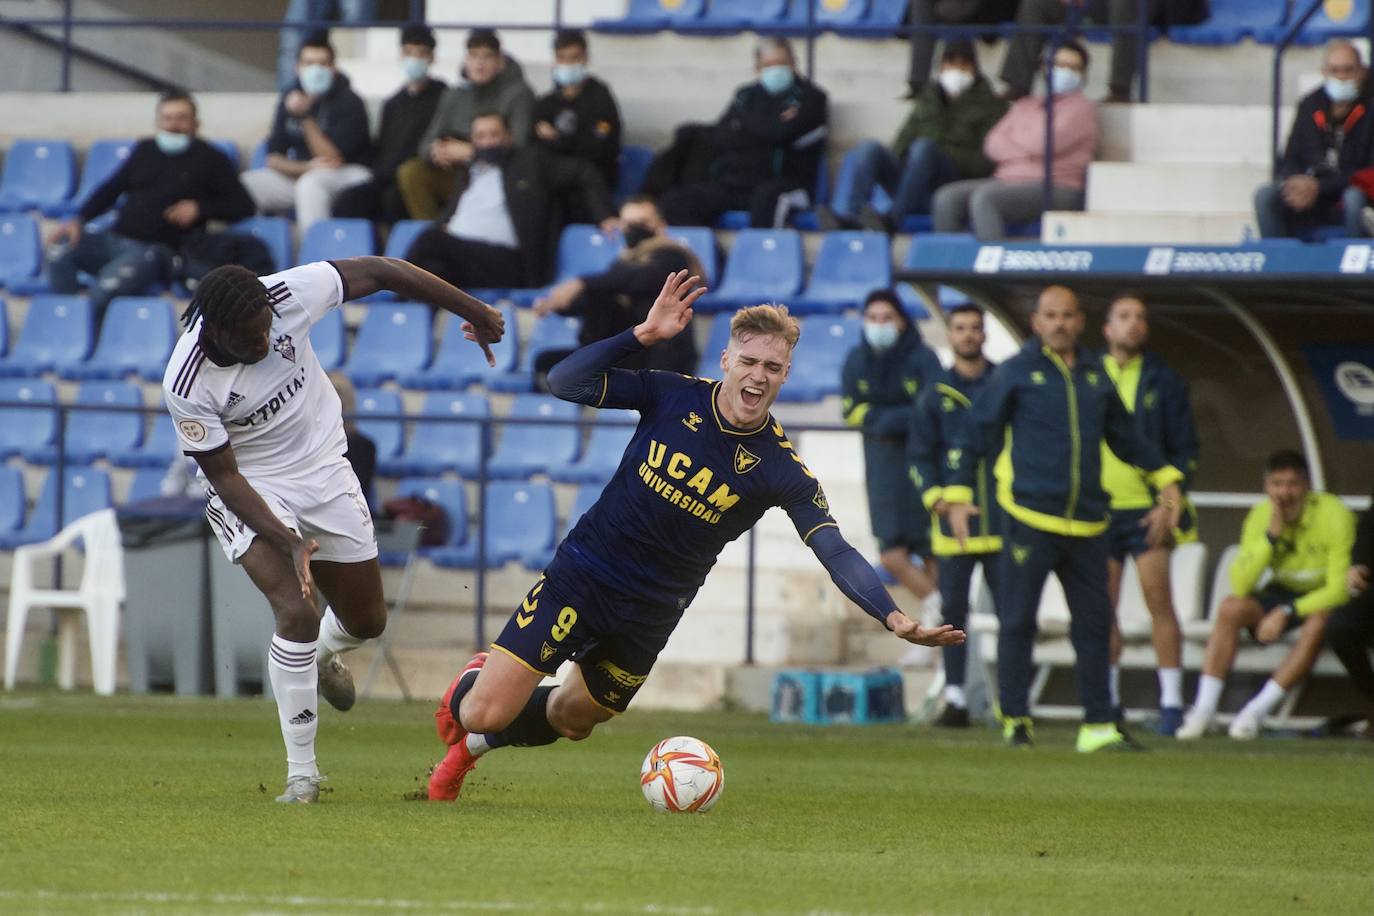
point(1097, 228)
point(1131, 187)
point(1188, 134)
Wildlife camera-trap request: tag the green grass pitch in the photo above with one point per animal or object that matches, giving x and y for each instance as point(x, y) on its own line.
point(163, 805)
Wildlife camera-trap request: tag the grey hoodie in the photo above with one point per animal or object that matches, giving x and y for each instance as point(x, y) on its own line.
point(508, 93)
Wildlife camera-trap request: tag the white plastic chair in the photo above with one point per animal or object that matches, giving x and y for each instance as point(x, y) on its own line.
point(99, 595)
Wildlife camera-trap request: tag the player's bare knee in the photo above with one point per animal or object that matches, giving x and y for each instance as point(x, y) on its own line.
point(369, 625)
point(296, 619)
point(1233, 611)
point(894, 560)
point(482, 716)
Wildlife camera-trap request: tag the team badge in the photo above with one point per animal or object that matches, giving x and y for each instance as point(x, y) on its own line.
point(545, 652)
point(744, 460)
point(1019, 553)
point(692, 421)
point(1037, 377)
point(1092, 379)
point(193, 431)
point(284, 346)
point(819, 499)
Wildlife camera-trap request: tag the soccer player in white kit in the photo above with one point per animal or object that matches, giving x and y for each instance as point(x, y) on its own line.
point(256, 411)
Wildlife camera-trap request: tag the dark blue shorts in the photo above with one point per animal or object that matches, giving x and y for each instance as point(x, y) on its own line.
point(1272, 596)
point(1126, 536)
point(613, 637)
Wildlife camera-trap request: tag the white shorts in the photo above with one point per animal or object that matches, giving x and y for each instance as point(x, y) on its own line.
point(328, 507)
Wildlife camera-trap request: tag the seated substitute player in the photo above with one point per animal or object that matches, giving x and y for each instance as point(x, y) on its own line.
point(706, 461)
point(255, 410)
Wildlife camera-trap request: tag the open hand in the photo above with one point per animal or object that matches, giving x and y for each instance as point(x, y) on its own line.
point(672, 310)
point(301, 552)
point(958, 515)
point(906, 628)
point(183, 213)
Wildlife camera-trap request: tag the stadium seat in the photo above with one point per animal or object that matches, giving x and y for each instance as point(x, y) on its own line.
point(634, 165)
point(328, 337)
point(146, 484)
point(913, 304)
point(605, 447)
point(702, 241)
point(26, 428)
point(398, 243)
point(159, 449)
point(849, 266)
point(38, 175)
point(11, 499)
point(726, 17)
point(533, 447)
point(652, 16)
point(103, 159)
point(230, 149)
point(448, 494)
point(394, 338)
point(386, 434)
point(718, 339)
point(92, 434)
point(258, 158)
point(57, 332)
point(459, 362)
point(275, 233)
point(819, 357)
point(338, 238)
point(21, 250)
point(582, 249)
point(765, 265)
point(587, 495)
point(1327, 23)
point(453, 445)
point(136, 336)
point(4, 328)
point(1232, 20)
point(519, 520)
point(85, 490)
point(552, 332)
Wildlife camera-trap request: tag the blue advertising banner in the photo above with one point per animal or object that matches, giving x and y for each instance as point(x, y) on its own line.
point(1345, 374)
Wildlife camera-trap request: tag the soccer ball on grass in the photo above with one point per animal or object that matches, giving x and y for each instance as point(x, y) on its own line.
point(682, 775)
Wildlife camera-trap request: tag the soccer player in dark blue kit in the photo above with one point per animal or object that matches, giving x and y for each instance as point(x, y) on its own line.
point(706, 461)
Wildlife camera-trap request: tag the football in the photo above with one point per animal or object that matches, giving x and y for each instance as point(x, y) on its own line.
point(682, 775)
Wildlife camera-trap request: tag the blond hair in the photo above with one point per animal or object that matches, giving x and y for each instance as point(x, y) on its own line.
point(769, 319)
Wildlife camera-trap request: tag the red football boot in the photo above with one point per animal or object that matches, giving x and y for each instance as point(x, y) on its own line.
point(450, 731)
point(447, 779)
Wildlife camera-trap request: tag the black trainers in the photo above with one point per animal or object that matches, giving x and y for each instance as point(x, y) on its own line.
point(952, 717)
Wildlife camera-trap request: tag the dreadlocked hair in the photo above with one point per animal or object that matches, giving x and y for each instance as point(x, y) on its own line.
point(225, 296)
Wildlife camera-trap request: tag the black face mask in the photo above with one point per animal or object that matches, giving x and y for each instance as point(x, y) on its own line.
point(634, 233)
point(492, 155)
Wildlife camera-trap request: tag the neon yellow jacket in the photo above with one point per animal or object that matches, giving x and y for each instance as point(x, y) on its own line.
point(1310, 558)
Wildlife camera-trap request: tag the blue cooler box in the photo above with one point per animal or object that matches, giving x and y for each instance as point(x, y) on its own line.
point(796, 697)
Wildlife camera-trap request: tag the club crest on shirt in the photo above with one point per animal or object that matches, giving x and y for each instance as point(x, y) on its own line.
point(819, 499)
point(285, 347)
point(745, 460)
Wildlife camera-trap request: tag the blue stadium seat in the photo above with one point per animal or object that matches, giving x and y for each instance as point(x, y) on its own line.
point(454, 445)
point(25, 428)
point(610, 435)
point(764, 265)
point(21, 250)
point(84, 490)
point(848, 267)
point(4, 328)
point(159, 449)
point(1232, 20)
point(1327, 23)
point(394, 338)
point(329, 339)
point(460, 362)
point(634, 165)
point(11, 499)
point(275, 232)
point(92, 434)
point(536, 448)
point(403, 235)
point(586, 496)
point(875, 18)
point(819, 357)
point(449, 494)
point(915, 306)
point(519, 520)
point(709, 364)
point(552, 332)
point(136, 336)
point(652, 16)
point(258, 158)
point(386, 434)
point(338, 238)
point(230, 149)
point(702, 241)
point(38, 174)
point(57, 332)
point(726, 17)
point(146, 484)
point(582, 249)
point(103, 159)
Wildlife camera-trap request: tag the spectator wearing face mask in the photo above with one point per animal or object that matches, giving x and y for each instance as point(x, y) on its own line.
point(620, 297)
point(1016, 148)
point(940, 142)
point(1024, 51)
point(1325, 174)
point(319, 141)
point(768, 146)
point(579, 117)
point(405, 117)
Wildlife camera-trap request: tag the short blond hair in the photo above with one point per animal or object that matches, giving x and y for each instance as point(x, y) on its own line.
point(770, 320)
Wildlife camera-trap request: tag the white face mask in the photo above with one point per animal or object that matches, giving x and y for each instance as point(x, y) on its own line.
point(955, 82)
point(414, 68)
point(1341, 90)
point(1065, 79)
point(880, 336)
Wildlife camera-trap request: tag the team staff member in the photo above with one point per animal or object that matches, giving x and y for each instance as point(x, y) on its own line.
point(1157, 398)
point(880, 381)
point(1050, 407)
point(942, 411)
point(1350, 631)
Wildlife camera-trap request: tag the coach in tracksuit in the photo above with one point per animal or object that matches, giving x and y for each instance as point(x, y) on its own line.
point(1050, 407)
point(942, 411)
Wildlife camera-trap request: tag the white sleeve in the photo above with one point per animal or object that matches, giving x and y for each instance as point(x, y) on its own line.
point(316, 287)
point(199, 428)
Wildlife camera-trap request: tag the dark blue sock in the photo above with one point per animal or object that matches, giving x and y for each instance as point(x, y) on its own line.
point(531, 727)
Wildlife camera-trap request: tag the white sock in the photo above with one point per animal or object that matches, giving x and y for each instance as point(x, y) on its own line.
point(954, 696)
point(334, 639)
point(1208, 694)
point(1114, 684)
point(1170, 687)
point(477, 744)
point(291, 669)
point(1263, 703)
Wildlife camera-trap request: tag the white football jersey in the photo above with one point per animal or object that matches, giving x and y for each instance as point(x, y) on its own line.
point(280, 415)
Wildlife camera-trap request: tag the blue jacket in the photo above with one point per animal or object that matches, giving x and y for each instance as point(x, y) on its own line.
point(1050, 421)
point(943, 411)
point(1164, 416)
